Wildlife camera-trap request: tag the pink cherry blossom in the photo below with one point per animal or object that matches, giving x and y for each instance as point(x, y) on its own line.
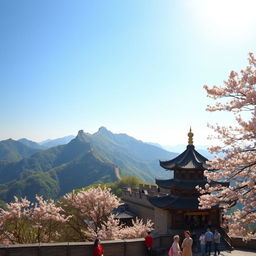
point(26, 222)
point(238, 147)
point(92, 217)
point(79, 216)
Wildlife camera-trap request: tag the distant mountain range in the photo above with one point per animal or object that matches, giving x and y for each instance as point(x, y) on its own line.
point(28, 168)
point(56, 142)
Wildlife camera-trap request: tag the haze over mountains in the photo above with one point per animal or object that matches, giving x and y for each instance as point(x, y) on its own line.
point(28, 168)
point(56, 142)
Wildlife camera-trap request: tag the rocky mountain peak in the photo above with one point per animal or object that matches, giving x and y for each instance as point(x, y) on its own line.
point(104, 130)
point(82, 136)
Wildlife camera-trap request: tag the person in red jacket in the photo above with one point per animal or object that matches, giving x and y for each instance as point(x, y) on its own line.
point(149, 244)
point(97, 248)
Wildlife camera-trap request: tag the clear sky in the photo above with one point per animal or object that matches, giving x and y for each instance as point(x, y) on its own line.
point(136, 67)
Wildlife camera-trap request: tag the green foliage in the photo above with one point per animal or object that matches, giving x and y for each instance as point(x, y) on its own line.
point(129, 181)
point(118, 186)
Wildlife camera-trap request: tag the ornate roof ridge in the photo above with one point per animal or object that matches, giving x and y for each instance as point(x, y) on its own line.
point(188, 159)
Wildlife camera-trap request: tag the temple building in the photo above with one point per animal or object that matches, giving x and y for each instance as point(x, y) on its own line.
point(173, 204)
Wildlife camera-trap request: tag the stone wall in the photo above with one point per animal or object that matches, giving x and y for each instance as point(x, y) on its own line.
point(238, 242)
point(138, 203)
point(129, 247)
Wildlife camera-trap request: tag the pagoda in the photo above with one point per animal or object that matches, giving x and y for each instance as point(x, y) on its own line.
point(176, 206)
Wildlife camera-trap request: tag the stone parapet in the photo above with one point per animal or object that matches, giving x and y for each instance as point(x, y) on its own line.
point(128, 247)
point(238, 242)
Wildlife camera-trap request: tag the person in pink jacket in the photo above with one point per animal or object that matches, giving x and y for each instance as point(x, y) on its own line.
point(175, 248)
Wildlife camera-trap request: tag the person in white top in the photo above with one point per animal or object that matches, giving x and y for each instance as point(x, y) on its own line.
point(175, 248)
point(202, 243)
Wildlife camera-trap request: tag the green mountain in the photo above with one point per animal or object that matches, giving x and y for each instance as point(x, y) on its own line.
point(31, 144)
point(133, 157)
point(85, 160)
point(12, 150)
point(54, 172)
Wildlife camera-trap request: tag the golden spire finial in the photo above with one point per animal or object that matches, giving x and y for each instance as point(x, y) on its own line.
point(190, 137)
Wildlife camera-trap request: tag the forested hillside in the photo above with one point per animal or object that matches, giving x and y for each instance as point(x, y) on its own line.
point(85, 160)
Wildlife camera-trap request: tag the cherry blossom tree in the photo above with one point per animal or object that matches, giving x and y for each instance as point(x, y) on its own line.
point(238, 150)
point(26, 222)
point(112, 229)
point(92, 217)
point(89, 209)
point(47, 220)
point(78, 216)
point(14, 222)
point(138, 229)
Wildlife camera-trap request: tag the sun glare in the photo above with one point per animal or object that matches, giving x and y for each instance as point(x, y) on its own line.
point(232, 17)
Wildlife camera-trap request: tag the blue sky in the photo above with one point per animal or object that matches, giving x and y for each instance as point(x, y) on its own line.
point(136, 67)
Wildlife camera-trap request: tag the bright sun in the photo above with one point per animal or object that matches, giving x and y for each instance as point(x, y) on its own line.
point(235, 17)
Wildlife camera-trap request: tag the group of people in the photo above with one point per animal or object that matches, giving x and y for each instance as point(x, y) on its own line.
point(186, 245)
point(208, 239)
point(175, 249)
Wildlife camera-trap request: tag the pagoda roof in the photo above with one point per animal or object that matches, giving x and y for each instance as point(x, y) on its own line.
point(174, 202)
point(189, 159)
point(125, 215)
point(187, 184)
point(122, 212)
point(182, 184)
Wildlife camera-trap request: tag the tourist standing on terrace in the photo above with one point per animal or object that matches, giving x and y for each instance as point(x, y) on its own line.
point(149, 244)
point(208, 239)
point(97, 248)
point(202, 243)
point(187, 244)
point(175, 248)
point(216, 242)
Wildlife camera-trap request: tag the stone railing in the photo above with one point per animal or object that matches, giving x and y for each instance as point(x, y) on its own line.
point(129, 247)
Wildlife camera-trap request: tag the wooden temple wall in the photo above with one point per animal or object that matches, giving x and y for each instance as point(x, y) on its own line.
point(165, 221)
point(215, 217)
point(162, 221)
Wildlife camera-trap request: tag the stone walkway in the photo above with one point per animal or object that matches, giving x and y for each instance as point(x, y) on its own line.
point(238, 253)
point(233, 253)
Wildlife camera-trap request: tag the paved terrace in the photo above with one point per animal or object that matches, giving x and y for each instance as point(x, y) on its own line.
point(238, 253)
point(230, 253)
